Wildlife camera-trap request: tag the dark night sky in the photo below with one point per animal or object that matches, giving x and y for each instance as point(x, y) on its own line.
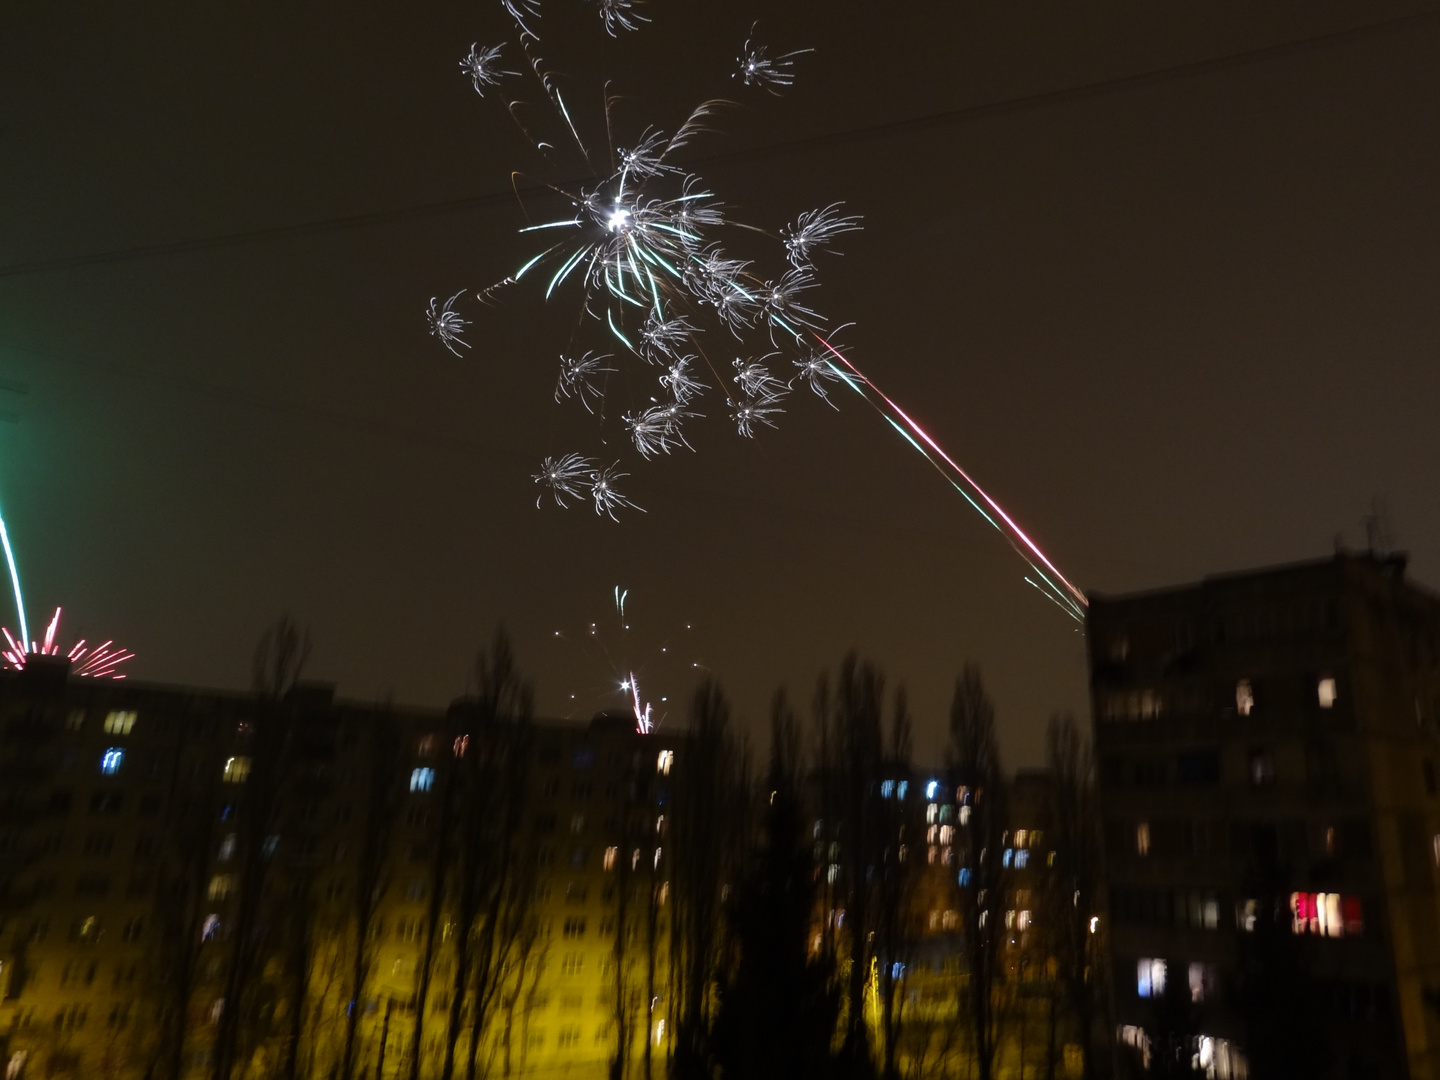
point(1178, 325)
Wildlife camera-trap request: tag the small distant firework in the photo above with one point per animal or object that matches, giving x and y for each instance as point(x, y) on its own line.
point(568, 476)
point(483, 67)
point(623, 650)
point(758, 68)
point(580, 378)
point(814, 231)
point(86, 661)
point(446, 324)
point(620, 15)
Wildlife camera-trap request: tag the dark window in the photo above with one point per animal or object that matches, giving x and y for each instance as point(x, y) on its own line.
point(1198, 767)
point(60, 802)
point(1427, 769)
point(150, 805)
point(582, 758)
point(105, 802)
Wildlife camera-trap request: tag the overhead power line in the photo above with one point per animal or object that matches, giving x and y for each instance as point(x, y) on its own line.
point(889, 129)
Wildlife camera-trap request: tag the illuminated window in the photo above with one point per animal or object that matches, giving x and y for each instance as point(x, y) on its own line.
point(119, 723)
point(1244, 697)
point(947, 834)
point(950, 919)
point(900, 790)
point(1435, 849)
point(1021, 858)
point(931, 812)
point(110, 761)
point(1262, 768)
point(87, 930)
point(236, 770)
point(1326, 914)
point(1202, 981)
point(1023, 919)
point(931, 788)
point(227, 848)
point(426, 747)
point(611, 855)
point(1326, 693)
point(964, 815)
point(887, 789)
point(211, 929)
point(664, 761)
point(1022, 837)
point(1150, 977)
point(422, 779)
point(1142, 838)
point(946, 813)
point(832, 874)
point(1007, 856)
point(934, 920)
point(221, 885)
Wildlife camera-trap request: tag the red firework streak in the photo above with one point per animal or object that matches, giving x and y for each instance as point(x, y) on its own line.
point(87, 661)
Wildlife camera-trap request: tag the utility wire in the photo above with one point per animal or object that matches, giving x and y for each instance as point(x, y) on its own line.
point(889, 129)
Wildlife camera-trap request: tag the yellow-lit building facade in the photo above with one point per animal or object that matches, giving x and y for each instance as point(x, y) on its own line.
point(133, 822)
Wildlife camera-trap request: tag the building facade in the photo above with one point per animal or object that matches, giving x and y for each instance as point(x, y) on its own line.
point(1267, 746)
point(198, 884)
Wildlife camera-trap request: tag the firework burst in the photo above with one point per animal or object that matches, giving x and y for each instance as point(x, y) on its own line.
point(86, 661)
point(659, 266)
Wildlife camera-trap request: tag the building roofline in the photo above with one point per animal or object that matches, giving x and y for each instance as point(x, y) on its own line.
point(1389, 562)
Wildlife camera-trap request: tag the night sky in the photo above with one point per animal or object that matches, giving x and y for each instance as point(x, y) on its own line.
point(1174, 299)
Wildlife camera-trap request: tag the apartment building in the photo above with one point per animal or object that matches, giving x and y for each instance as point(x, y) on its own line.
point(1267, 746)
point(187, 874)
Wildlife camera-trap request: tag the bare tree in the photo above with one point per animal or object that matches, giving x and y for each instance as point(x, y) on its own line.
point(974, 761)
point(856, 732)
point(894, 933)
point(707, 837)
point(381, 794)
point(1075, 881)
point(492, 758)
point(279, 661)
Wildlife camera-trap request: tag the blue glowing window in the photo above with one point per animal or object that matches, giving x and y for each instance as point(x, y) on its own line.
point(110, 761)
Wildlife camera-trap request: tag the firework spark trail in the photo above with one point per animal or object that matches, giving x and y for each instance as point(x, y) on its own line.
point(1074, 600)
point(14, 581)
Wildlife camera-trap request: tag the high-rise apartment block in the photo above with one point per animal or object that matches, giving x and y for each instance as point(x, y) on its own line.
point(186, 873)
point(1268, 745)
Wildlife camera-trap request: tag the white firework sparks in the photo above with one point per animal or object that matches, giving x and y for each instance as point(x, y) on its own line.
point(815, 230)
point(568, 476)
point(664, 337)
point(657, 429)
point(579, 378)
point(446, 323)
point(758, 68)
point(602, 491)
point(620, 15)
point(483, 67)
point(751, 411)
point(755, 379)
point(682, 385)
point(782, 306)
point(815, 370)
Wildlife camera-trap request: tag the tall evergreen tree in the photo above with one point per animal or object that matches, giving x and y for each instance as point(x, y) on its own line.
point(778, 1008)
